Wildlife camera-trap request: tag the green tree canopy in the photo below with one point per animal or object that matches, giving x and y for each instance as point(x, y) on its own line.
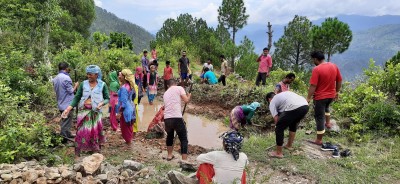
point(333, 36)
point(293, 49)
point(232, 14)
point(120, 40)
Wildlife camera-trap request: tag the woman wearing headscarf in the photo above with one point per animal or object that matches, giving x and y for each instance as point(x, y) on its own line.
point(127, 108)
point(114, 87)
point(139, 82)
point(241, 115)
point(152, 81)
point(226, 166)
point(91, 96)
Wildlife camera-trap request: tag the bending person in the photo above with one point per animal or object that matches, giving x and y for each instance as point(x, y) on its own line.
point(173, 118)
point(287, 108)
point(226, 166)
point(91, 96)
point(241, 115)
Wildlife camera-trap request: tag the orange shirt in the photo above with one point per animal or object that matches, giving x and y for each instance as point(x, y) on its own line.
point(167, 73)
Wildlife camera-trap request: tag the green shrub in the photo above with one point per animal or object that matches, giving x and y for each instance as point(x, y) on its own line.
point(382, 116)
point(23, 133)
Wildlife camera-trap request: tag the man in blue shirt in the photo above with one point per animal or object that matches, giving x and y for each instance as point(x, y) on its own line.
point(62, 84)
point(209, 77)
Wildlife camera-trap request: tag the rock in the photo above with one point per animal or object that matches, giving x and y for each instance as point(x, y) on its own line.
point(192, 175)
point(17, 175)
point(30, 176)
point(40, 173)
point(78, 176)
point(132, 165)
point(309, 132)
point(125, 174)
point(102, 178)
point(165, 181)
point(59, 180)
point(113, 181)
point(91, 164)
point(335, 127)
point(6, 177)
point(89, 180)
point(20, 165)
point(178, 178)
point(52, 173)
point(16, 181)
point(78, 167)
point(66, 174)
point(187, 167)
point(5, 172)
point(41, 180)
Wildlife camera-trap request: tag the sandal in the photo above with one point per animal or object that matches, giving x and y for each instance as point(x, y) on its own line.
point(274, 155)
point(313, 142)
point(169, 159)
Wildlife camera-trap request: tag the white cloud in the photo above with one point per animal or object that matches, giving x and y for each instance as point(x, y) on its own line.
point(98, 3)
point(209, 13)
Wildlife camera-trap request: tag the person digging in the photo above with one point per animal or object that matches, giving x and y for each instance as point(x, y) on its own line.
point(287, 109)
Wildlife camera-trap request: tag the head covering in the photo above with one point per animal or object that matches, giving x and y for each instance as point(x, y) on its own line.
point(233, 143)
point(139, 74)
point(114, 84)
point(253, 106)
point(94, 69)
point(129, 77)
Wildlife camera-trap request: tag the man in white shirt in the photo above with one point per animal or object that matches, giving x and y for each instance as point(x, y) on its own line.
point(208, 65)
point(287, 108)
point(228, 165)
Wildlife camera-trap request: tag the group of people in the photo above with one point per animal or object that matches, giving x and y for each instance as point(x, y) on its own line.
point(126, 90)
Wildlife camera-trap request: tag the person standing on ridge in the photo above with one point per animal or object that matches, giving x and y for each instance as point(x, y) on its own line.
point(325, 84)
point(264, 67)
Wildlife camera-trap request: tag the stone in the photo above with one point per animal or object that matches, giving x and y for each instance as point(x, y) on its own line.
point(66, 174)
point(40, 173)
point(17, 175)
point(309, 132)
point(78, 176)
point(20, 165)
point(52, 173)
point(89, 180)
point(165, 181)
point(16, 181)
point(125, 174)
point(102, 178)
point(78, 167)
point(30, 176)
point(132, 165)
point(6, 177)
point(113, 181)
point(91, 164)
point(178, 178)
point(41, 180)
point(192, 175)
point(5, 172)
point(59, 180)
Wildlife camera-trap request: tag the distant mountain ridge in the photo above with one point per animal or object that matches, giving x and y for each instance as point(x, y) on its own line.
point(373, 37)
point(107, 22)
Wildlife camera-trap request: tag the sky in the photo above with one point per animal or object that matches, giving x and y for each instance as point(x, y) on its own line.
point(150, 14)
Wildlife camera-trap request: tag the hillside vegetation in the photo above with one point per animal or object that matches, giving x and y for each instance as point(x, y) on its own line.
point(379, 43)
point(107, 22)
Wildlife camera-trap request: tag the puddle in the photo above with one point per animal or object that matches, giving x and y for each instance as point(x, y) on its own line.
point(201, 131)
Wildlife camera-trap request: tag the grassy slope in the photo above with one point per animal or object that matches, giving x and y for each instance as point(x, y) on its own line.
point(372, 162)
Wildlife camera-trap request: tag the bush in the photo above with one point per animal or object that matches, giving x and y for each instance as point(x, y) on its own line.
point(382, 116)
point(23, 133)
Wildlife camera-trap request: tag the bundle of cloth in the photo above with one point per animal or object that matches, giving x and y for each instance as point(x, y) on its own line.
point(157, 124)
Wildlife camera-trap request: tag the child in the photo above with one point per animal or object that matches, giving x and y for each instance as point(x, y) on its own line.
point(168, 74)
point(152, 84)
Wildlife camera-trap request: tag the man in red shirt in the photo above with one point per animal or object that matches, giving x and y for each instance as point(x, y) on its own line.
point(168, 74)
point(265, 65)
point(325, 84)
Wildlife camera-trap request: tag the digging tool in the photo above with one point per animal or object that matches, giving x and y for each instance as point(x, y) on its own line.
point(76, 80)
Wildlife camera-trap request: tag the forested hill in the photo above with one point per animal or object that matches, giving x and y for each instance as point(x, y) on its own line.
point(107, 22)
point(379, 43)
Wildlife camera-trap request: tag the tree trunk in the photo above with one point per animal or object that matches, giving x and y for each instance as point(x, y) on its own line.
point(46, 59)
point(233, 57)
point(269, 35)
